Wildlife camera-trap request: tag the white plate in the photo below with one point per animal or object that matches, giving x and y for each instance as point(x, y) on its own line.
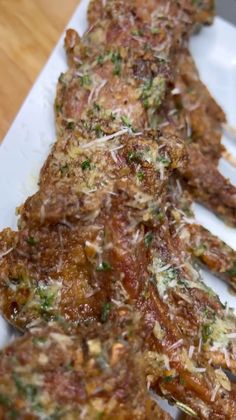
point(28, 141)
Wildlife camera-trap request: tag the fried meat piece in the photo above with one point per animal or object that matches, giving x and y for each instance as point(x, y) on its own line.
point(202, 14)
point(46, 275)
point(204, 116)
point(134, 270)
point(185, 317)
point(208, 249)
point(213, 253)
point(201, 176)
point(199, 118)
point(118, 189)
point(167, 350)
point(104, 194)
point(209, 187)
point(92, 372)
point(53, 265)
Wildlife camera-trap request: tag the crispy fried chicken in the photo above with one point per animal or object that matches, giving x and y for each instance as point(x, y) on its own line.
point(106, 227)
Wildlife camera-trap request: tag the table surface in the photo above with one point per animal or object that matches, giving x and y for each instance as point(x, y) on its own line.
point(29, 29)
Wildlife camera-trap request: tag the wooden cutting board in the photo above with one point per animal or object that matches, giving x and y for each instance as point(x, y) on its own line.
point(29, 29)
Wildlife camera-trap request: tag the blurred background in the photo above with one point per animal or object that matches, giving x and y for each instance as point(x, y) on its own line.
point(227, 9)
point(29, 29)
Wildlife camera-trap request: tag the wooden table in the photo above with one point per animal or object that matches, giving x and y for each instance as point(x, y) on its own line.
point(29, 29)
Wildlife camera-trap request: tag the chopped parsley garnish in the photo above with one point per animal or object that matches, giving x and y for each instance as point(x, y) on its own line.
point(140, 176)
point(209, 313)
point(70, 125)
point(106, 309)
point(31, 241)
point(154, 31)
point(200, 250)
point(168, 378)
point(206, 332)
point(85, 165)
point(39, 340)
point(117, 61)
point(165, 161)
point(98, 130)
point(126, 121)
point(148, 239)
point(101, 59)
point(152, 92)
point(134, 156)
point(28, 390)
point(104, 266)
point(47, 299)
point(85, 80)
point(181, 380)
point(146, 89)
point(137, 32)
point(182, 282)
point(96, 106)
point(159, 215)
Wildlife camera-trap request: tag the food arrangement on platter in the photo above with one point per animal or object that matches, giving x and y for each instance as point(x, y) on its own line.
point(102, 276)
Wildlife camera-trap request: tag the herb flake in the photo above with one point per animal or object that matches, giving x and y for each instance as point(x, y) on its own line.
point(85, 81)
point(85, 165)
point(148, 239)
point(116, 59)
point(104, 266)
point(206, 332)
point(31, 241)
point(106, 309)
